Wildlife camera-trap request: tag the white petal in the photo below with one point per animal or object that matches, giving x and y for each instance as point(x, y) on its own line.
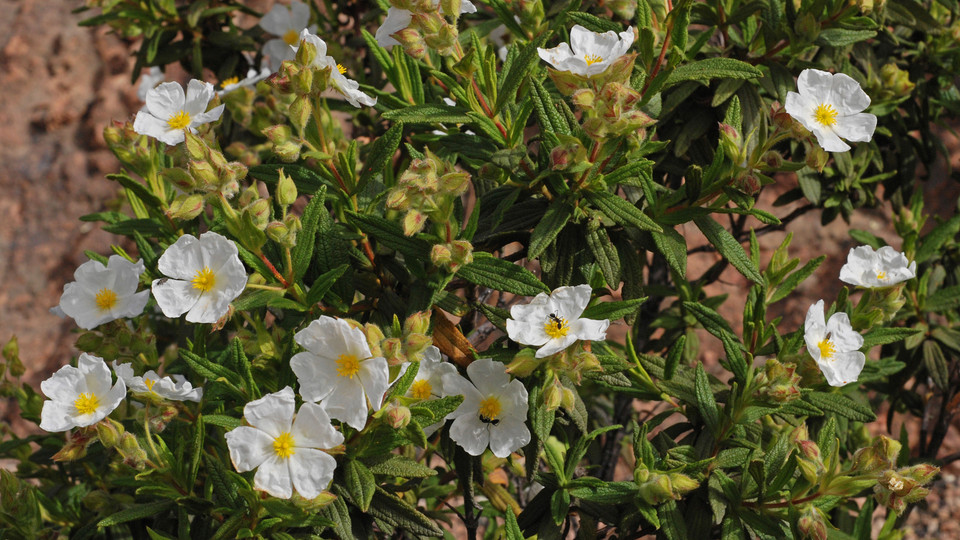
point(455, 385)
point(131, 305)
point(514, 399)
point(199, 94)
point(563, 59)
point(126, 275)
point(165, 100)
point(57, 416)
point(317, 376)
point(466, 6)
point(471, 434)
point(277, 51)
point(151, 126)
point(277, 21)
point(814, 328)
point(374, 374)
point(814, 82)
point(249, 447)
point(397, 19)
point(350, 89)
point(299, 15)
point(312, 428)
point(590, 329)
point(347, 403)
point(124, 373)
point(856, 127)
point(527, 331)
point(488, 375)
point(508, 436)
point(111, 400)
point(829, 141)
point(273, 476)
point(844, 368)
point(206, 117)
point(842, 333)
point(209, 307)
point(312, 471)
point(182, 259)
point(848, 97)
point(79, 303)
point(175, 297)
point(556, 345)
point(96, 374)
point(273, 413)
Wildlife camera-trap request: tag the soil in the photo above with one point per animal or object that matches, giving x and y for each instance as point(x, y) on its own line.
point(61, 84)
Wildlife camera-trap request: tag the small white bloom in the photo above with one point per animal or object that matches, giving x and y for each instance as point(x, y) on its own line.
point(286, 23)
point(588, 53)
point(428, 384)
point(252, 78)
point(169, 112)
point(149, 81)
point(553, 322)
point(493, 412)
point(399, 19)
point(286, 449)
point(348, 88)
point(102, 294)
point(177, 388)
point(881, 268)
point(205, 275)
point(80, 396)
point(339, 370)
point(834, 345)
point(830, 105)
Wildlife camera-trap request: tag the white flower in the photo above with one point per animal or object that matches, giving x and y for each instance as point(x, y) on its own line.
point(205, 275)
point(399, 19)
point(168, 112)
point(834, 345)
point(428, 384)
point(348, 88)
point(80, 396)
point(881, 268)
point(338, 369)
point(286, 23)
point(493, 412)
point(252, 78)
point(588, 53)
point(104, 293)
point(287, 450)
point(149, 81)
point(553, 322)
point(177, 388)
point(830, 105)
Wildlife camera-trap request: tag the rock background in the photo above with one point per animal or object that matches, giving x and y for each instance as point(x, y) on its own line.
point(61, 84)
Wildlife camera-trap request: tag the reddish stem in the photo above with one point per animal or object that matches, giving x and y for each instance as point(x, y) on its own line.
point(273, 269)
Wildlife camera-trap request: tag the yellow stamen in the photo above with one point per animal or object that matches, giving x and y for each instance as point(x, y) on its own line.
point(341, 69)
point(106, 299)
point(181, 120)
point(291, 37)
point(490, 408)
point(881, 275)
point(227, 82)
point(827, 349)
point(825, 114)
point(86, 403)
point(204, 280)
point(283, 445)
point(556, 327)
point(149, 383)
point(592, 59)
point(347, 365)
point(421, 389)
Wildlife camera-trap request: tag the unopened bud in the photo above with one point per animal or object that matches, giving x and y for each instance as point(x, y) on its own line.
point(393, 351)
point(397, 416)
point(413, 222)
point(196, 148)
point(412, 42)
point(657, 489)
point(374, 336)
point(286, 190)
point(178, 177)
point(524, 363)
point(306, 53)
point(584, 98)
point(812, 523)
point(185, 207)
point(109, 431)
point(552, 395)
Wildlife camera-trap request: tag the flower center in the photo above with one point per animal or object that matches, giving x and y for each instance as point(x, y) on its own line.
point(490, 409)
point(283, 445)
point(181, 120)
point(592, 59)
point(86, 403)
point(149, 383)
point(291, 37)
point(106, 299)
point(227, 82)
point(556, 327)
point(341, 69)
point(204, 280)
point(825, 114)
point(881, 275)
point(421, 389)
point(347, 365)
point(827, 349)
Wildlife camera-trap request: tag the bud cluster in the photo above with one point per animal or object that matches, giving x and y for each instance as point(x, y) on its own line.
point(406, 344)
point(657, 487)
point(778, 383)
point(207, 172)
point(612, 111)
point(427, 189)
point(431, 25)
point(895, 488)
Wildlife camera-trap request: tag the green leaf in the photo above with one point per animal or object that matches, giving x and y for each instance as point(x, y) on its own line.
point(713, 68)
point(728, 246)
point(523, 66)
point(706, 403)
point(139, 511)
point(206, 368)
point(593, 23)
point(138, 189)
point(398, 466)
point(307, 180)
point(489, 271)
point(435, 410)
point(883, 336)
point(324, 283)
point(605, 254)
point(936, 364)
point(429, 114)
point(401, 514)
point(612, 310)
point(390, 234)
point(673, 247)
point(511, 530)
point(935, 239)
point(841, 405)
point(622, 211)
point(360, 483)
point(841, 37)
point(302, 253)
point(222, 420)
point(944, 299)
point(381, 153)
point(673, 357)
point(793, 280)
point(546, 231)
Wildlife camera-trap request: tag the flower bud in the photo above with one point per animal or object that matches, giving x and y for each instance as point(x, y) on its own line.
point(882, 455)
point(185, 207)
point(524, 363)
point(461, 254)
point(109, 431)
point(454, 183)
point(584, 98)
point(413, 222)
point(196, 148)
point(552, 394)
point(682, 484)
point(300, 111)
point(414, 344)
point(657, 489)
point(374, 336)
point(450, 8)
point(812, 523)
point(178, 177)
point(129, 448)
point(259, 212)
point(397, 416)
point(286, 190)
point(205, 175)
point(393, 351)
point(412, 42)
point(306, 53)
point(625, 9)
point(440, 255)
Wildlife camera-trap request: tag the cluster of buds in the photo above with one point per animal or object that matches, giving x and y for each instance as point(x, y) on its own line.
point(530, 12)
point(570, 155)
point(131, 148)
point(284, 232)
point(895, 488)
point(778, 383)
point(878, 306)
point(76, 444)
point(573, 363)
point(452, 255)
point(812, 523)
point(113, 339)
point(612, 111)
point(427, 189)
point(407, 342)
point(809, 459)
point(285, 145)
point(556, 395)
point(207, 172)
point(304, 78)
point(894, 82)
point(431, 26)
point(112, 435)
point(657, 487)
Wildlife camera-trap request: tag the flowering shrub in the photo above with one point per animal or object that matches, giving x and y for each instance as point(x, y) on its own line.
point(398, 274)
